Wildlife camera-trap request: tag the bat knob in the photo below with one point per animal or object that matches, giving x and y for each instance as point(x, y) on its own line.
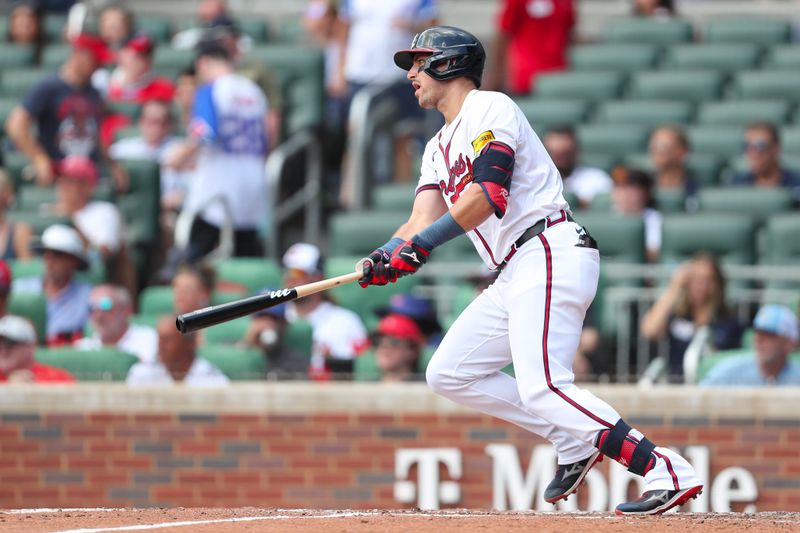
point(180, 323)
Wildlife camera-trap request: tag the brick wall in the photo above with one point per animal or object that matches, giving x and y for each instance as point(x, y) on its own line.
point(318, 452)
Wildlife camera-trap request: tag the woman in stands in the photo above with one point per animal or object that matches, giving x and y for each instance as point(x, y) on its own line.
point(25, 26)
point(694, 299)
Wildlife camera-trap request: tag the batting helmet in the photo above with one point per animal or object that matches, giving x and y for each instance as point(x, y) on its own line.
point(460, 52)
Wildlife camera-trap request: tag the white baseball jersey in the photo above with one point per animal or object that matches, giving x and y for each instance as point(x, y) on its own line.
point(535, 191)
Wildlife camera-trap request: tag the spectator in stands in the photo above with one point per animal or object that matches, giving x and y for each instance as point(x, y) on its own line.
point(207, 12)
point(227, 137)
point(421, 310)
point(266, 332)
point(763, 150)
point(584, 182)
point(633, 196)
point(64, 111)
point(776, 336)
point(133, 80)
point(177, 361)
point(534, 36)
point(185, 88)
point(111, 310)
point(25, 26)
point(192, 286)
point(67, 297)
point(694, 299)
point(339, 335)
point(17, 361)
point(115, 25)
point(398, 345)
point(668, 150)
point(654, 8)
point(15, 236)
point(5, 286)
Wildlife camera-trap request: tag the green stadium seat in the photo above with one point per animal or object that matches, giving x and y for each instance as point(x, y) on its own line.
point(620, 239)
point(599, 160)
point(704, 167)
point(615, 139)
point(37, 221)
point(158, 27)
point(730, 236)
point(394, 197)
point(239, 364)
point(141, 204)
point(677, 85)
point(782, 247)
point(105, 364)
point(601, 203)
point(54, 26)
point(145, 320)
point(589, 86)
point(156, 300)
point(173, 58)
point(55, 55)
point(743, 112)
point(255, 28)
point(228, 333)
point(459, 249)
point(739, 163)
point(34, 267)
point(543, 114)
point(300, 336)
point(649, 31)
point(751, 30)
point(254, 273)
point(16, 164)
point(126, 132)
point(768, 84)
point(728, 57)
point(790, 139)
point(720, 141)
point(16, 82)
point(359, 233)
point(31, 306)
point(129, 109)
point(670, 200)
point(785, 56)
point(15, 56)
point(612, 57)
point(759, 202)
point(645, 112)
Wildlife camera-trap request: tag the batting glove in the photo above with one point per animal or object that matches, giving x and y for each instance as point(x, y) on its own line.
point(409, 257)
point(376, 269)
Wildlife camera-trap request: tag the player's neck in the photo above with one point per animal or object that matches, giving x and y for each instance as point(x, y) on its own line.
point(450, 105)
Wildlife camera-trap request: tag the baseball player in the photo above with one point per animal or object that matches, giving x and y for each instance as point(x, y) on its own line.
point(486, 174)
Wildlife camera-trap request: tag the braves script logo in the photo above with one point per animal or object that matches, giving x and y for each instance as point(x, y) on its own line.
point(460, 174)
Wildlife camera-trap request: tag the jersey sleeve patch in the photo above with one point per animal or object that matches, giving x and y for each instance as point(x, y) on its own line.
point(481, 141)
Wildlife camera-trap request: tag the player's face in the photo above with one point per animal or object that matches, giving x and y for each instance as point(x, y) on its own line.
point(426, 89)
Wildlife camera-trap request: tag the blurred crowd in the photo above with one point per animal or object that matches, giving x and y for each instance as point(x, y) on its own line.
point(209, 128)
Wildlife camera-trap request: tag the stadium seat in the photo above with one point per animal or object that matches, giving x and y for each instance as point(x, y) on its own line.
point(129, 109)
point(31, 306)
point(37, 221)
point(299, 335)
point(55, 55)
point(613, 139)
point(612, 57)
point(459, 249)
point(15, 56)
point(786, 56)
point(156, 300)
point(34, 267)
point(16, 82)
point(649, 31)
point(590, 86)
point(598, 160)
point(743, 112)
point(768, 84)
point(790, 139)
point(751, 30)
point(782, 247)
point(255, 28)
point(359, 233)
point(395, 197)
point(704, 167)
point(141, 204)
point(239, 364)
point(670, 200)
point(759, 202)
point(253, 273)
point(720, 141)
point(54, 26)
point(105, 364)
point(6, 105)
point(175, 59)
point(740, 163)
point(645, 112)
point(677, 85)
point(158, 27)
point(727, 57)
point(620, 239)
point(545, 113)
point(730, 236)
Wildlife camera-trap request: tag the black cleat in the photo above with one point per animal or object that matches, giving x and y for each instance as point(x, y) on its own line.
point(569, 478)
point(658, 501)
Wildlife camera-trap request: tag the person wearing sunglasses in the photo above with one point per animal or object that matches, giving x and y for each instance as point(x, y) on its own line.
point(762, 149)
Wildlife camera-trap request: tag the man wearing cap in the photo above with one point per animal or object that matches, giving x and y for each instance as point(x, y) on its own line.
point(65, 110)
point(632, 195)
point(67, 297)
point(266, 332)
point(338, 333)
point(133, 80)
point(776, 336)
point(398, 345)
point(111, 311)
point(421, 310)
point(17, 347)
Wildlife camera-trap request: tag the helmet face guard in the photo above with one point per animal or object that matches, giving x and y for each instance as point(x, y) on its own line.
point(453, 53)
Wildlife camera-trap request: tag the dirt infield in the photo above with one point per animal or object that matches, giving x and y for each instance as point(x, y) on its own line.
point(462, 521)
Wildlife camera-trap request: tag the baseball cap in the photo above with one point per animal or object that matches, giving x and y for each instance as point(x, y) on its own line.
point(400, 326)
point(304, 256)
point(78, 167)
point(141, 43)
point(277, 311)
point(777, 319)
point(66, 240)
point(419, 309)
point(17, 329)
point(94, 44)
point(5, 277)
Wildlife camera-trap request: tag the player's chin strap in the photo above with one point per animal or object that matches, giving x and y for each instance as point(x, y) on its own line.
point(636, 454)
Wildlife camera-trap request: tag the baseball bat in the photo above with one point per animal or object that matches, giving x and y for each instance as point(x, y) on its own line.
point(216, 314)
